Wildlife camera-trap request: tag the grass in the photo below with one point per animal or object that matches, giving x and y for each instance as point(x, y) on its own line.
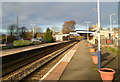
point(114, 50)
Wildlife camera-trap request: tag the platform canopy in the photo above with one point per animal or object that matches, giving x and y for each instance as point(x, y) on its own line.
point(83, 32)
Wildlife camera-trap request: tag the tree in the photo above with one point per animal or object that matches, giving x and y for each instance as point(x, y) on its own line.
point(37, 29)
point(38, 32)
point(29, 35)
point(11, 29)
point(68, 26)
point(38, 35)
point(108, 29)
point(101, 28)
point(115, 29)
point(3, 38)
point(48, 36)
point(55, 29)
point(23, 32)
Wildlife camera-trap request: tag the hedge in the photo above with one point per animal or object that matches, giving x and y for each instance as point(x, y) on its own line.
point(21, 42)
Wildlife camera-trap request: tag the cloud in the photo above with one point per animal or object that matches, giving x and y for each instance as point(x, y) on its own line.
point(53, 13)
point(0, 15)
point(59, 0)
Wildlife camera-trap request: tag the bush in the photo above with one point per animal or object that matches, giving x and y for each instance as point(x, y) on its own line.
point(48, 36)
point(10, 39)
point(114, 50)
point(18, 43)
point(26, 42)
point(21, 42)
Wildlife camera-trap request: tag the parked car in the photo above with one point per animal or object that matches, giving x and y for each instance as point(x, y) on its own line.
point(35, 41)
point(84, 39)
point(27, 39)
point(41, 40)
point(19, 38)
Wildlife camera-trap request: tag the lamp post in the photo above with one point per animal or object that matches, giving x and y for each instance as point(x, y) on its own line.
point(6, 35)
point(114, 30)
point(99, 50)
point(33, 25)
point(87, 22)
point(113, 25)
point(111, 20)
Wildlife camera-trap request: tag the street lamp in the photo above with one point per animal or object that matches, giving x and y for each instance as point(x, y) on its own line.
point(99, 50)
point(33, 25)
point(113, 29)
point(6, 35)
point(111, 20)
point(87, 22)
point(113, 25)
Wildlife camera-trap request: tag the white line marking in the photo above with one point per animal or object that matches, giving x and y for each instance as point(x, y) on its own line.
point(69, 56)
point(73, 51)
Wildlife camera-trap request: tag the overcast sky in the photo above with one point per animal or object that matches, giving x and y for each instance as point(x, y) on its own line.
point(58, 0)
point(44, 14)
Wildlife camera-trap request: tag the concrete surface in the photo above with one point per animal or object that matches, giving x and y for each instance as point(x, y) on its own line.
point(81, 66)
point(57, 70)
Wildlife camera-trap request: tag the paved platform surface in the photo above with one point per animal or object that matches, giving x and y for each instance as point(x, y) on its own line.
point(22, 49)
point(81, 66)
point(57, 70)
point(77, 64)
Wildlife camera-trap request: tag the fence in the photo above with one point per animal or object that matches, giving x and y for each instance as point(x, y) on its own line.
point(109, 41)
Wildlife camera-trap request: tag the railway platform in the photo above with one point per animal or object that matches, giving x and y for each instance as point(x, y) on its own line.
point(27, 48)
point(77, 64)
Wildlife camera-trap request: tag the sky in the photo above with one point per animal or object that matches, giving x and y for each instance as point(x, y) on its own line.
point(49, 14)
point(59, 0)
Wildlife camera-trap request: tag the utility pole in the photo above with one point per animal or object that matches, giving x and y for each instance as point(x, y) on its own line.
point(111, 20)
point(87, 22)
point(17, 21)
point(99, 50)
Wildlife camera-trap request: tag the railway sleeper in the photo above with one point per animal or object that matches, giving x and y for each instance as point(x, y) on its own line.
point(26, 70)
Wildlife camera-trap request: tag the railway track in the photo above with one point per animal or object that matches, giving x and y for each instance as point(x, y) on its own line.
point(27, 57)
point(27, 69)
